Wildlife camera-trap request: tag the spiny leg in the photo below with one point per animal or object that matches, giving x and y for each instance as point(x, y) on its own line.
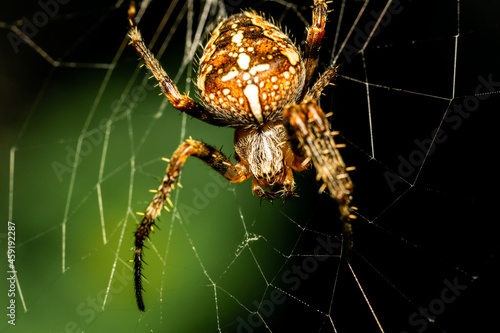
point(309, 132)
point(211, 156)
point(181, 102)
point(315, 91)
point(314, 37)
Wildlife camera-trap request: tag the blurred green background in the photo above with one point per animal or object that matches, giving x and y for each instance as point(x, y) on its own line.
point(123, 129)
point(435, 225)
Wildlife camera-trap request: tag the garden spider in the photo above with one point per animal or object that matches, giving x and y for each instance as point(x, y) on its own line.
point(253, 78)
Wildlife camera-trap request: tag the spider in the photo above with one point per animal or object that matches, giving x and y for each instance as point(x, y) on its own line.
point(252, 77)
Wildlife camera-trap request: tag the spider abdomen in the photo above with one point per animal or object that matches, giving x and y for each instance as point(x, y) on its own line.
point(249, 71)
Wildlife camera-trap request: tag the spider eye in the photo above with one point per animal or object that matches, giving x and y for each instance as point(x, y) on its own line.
point(249, 71)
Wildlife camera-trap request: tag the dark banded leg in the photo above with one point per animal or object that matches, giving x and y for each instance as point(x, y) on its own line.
point(309, 132)
point(181, 102)
point(315, 91)
point(208, 154)
point(314, 37)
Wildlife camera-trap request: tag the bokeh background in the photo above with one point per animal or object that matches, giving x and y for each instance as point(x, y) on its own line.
point(222, 251)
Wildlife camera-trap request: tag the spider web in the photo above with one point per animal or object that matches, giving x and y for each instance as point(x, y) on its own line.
point(83, 133)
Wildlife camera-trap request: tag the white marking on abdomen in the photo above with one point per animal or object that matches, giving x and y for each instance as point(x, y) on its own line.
point(229, 76)
point(251, 92)
point(259, 68)
point(243, 60)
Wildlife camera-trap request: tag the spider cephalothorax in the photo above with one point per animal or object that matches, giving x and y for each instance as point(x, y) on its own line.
point(266, 154)
point(252, 77)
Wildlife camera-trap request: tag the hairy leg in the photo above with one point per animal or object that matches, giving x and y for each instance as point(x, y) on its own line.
point(181, 102)
point(211, 156)
point(314, 37)
point(309, 132)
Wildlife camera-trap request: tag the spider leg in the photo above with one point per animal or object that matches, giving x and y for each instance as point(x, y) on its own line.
point(211, 156)
point(308, 131)
point(288, 184)
point(181, 102)
point(314, 36)
point(315, 92)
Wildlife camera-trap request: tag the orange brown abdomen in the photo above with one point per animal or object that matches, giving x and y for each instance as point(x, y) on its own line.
point(249, 71)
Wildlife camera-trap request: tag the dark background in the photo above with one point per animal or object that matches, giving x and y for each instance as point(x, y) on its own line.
point(434, 226)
